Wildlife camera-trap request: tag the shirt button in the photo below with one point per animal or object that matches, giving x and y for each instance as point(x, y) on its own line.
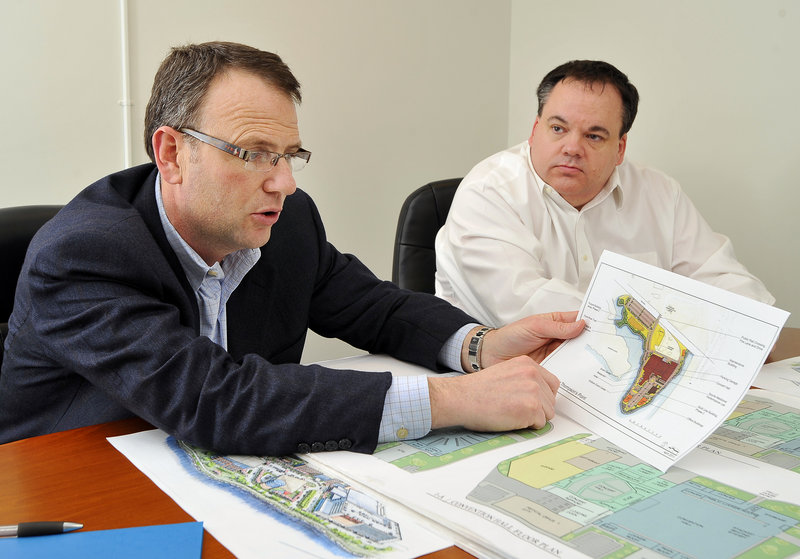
point(303, 448)
point(585, 257)
point(345, 444)
point(402, 433)
point(317, 447)
point(331, 445)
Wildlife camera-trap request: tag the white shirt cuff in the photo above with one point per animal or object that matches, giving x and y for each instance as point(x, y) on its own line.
point(407, 408)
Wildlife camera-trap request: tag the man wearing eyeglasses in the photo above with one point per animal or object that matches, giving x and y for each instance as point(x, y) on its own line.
point(181, 292)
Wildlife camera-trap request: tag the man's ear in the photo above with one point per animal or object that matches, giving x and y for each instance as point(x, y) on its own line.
point(623, 142)
point(167, 144)
point(535, 123)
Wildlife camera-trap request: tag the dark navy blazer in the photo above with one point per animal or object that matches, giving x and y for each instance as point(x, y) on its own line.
point(105, 326)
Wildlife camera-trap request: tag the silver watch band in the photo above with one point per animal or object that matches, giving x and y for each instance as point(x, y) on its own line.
point(474, 349)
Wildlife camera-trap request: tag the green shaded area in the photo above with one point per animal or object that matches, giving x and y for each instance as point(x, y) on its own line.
point(422, 460)
point(767, 422)
point(786, 509)
point(773, 548)
point(723, 488)
point(616, 486)
point(637, 328)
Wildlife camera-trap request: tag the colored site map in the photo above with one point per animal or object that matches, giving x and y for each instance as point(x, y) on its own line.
point(349, 518)
point(604, 502)
point(663, 358)
point(445, 446)
point(764, 430)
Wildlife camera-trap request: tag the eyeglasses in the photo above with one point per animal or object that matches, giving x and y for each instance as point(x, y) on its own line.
point(254, 160)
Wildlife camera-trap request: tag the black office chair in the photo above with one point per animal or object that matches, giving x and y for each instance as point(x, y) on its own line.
point(17, 227)
point(422, 215)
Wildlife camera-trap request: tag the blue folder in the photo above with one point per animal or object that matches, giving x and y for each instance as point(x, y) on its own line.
point(172, 541)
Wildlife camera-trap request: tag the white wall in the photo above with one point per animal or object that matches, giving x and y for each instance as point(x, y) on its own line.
point(396, 94)
point(719, 86)
point(400, 93)
point(60, 123)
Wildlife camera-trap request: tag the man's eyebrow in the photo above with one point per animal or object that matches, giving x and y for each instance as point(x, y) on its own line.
point(557, 118)
point(598, 128)
point(272, 146)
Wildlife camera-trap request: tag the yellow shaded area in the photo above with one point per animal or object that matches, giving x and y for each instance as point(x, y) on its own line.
point(658, 337)
point(547, 467)
point(635, 324)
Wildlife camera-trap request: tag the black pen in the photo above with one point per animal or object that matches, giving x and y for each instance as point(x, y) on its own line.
point(24, 529)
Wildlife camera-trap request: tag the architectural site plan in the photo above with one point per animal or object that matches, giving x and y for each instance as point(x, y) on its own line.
point(765, 428)
point(570, 493)
point(592, 496)
point(664, 359)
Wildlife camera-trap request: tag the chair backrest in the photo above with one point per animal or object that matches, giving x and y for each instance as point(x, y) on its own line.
point(422, 215)
point(17, 227)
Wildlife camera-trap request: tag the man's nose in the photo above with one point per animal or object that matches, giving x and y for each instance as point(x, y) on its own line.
point(573, 145)
point(281, 178)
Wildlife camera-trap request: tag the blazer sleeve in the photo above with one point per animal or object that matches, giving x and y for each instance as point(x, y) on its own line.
point(349, 302)
point(109, 324)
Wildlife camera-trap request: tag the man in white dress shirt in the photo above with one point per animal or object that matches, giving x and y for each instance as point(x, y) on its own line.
point(528, 224)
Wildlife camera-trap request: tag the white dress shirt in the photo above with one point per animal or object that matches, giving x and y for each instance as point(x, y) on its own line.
point(512, 246)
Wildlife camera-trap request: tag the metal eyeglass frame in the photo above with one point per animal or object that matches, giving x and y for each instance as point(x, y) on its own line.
point(301, 157)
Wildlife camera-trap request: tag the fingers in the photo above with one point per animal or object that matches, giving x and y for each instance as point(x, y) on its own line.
point(566, 316)
point(558, 325)
point(514, 394)
point(552, 381)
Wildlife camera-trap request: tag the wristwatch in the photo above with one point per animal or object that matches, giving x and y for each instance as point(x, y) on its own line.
point(474, 349)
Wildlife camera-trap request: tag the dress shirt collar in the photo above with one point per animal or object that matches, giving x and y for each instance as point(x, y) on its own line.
point(613, 186)
point(195, 268)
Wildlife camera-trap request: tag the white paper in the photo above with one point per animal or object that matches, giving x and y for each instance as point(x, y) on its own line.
point(780, 376)
point(663, 360)
point(250, 528)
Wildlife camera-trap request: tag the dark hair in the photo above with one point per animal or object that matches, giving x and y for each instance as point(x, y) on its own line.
point(183, 79)
point(592, 72)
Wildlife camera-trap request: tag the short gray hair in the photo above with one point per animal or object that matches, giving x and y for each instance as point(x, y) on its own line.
point(182, 81)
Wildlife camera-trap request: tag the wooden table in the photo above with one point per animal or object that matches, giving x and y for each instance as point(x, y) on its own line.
point(78, 476)
point(788, 345)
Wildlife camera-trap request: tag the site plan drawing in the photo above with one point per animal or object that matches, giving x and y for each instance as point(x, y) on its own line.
point(277, 506)
point(663, 359)
point(765, 427)
point(591, 495)
point(571, 494)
